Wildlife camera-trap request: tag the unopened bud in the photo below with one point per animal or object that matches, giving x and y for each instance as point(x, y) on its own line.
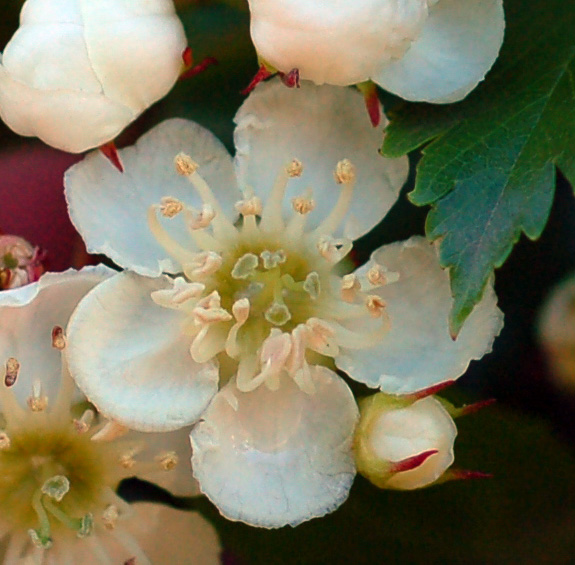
point(401, 444)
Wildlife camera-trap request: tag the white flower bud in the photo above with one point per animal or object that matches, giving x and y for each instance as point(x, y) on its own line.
point(401, 444)
point(556, 332)
point(76, 73)
point(418, 49)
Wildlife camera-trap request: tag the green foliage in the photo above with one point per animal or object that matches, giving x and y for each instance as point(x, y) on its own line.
point(489, 169)
point(524, 514)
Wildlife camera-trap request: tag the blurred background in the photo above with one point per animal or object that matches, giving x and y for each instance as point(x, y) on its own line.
point(525, 513)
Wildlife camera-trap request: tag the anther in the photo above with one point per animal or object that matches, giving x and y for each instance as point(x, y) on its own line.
point(245, 266)
point(110, 516)
point(5, 442)
point(37, 402)
point(168, 460)
point(181, 292)
point(170, 206)
point(334, 250)
point(312, 285)
point(378, 276)
point(83, 424)
point(250, 206)
point(127, 460)
point(303, 205)
point(111, 431)
point(344, 172)
point(375, 305)
point(203, 265)
point(271, 259)
point(350, 285)
point(58, 338)
point(294, 169)
point(201, 220)
point(12, 370)
point(185, 165)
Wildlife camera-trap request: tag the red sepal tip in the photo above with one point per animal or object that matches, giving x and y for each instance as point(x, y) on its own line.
point(199, 68)
point(110, 151)
point(429, 391)
point(466, 475)
point(262, 74)
point(476, 406)
point(188, 57)
point(411, 462)
point(291, 79)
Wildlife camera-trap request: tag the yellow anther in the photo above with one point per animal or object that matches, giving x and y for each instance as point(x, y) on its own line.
point(185, 165)
point(168, 460)
point(349, 287)
point(110, 516)
point(303, 205)
point(170, 206)
point(375, 305)
point(294, 169)
point(12, 370)
point(344, 172)
point(58, 338)
point(250, 206)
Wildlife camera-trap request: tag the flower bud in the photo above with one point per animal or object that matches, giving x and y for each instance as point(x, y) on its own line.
point(400, 444)
point(20, 262)
point(556, 332)
point(76, 73)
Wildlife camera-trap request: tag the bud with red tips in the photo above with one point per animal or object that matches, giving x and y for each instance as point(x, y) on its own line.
point(20, 262)
point(403, 443)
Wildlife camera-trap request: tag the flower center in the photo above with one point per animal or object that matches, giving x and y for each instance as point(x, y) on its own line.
point(262, 293)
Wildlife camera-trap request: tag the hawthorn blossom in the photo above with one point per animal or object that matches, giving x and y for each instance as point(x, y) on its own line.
point(60, 463)
point(233, 310)
point(77, 72)
point(425, 50)
point(20, 262)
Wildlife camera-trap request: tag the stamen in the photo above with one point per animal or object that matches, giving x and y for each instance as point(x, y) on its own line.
point(179, 294)
point(375, 305)
point(200, 220)
point(250, 206)
point(12, 370)
point(126, 460)
point(272, 259)
point(379, 276)
point(170, 206)
point(202, 265)
point(303, 205)
point(350, 286)
point(296, 365)
point(110, 516)
point(37, 402)
point(111, 431)
point(41, 537)
point(245, 266)
point(241, 312)
point(185, 166)
point(56, 487)
point(210, 341)
point(321, 337)
point(345, 175)
point(58, 338)
point(312, 285)
point(334, 250)
point(168, 460)
point(272, 217)
point(83, 424)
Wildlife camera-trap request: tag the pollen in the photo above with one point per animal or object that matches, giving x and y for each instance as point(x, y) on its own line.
point(185, 165)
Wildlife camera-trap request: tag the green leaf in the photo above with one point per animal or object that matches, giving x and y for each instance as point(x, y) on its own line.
point(489, 171)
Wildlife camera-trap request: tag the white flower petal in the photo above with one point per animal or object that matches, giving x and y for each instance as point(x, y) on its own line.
point(320, 126)
point(458, 45)
point(110, 208)
point(418, 351)
point(132, 360)
point(28, 316)
point(91, 119)
point(271, 458)
point(337, 42)
point(174, 536)
point(147, 40)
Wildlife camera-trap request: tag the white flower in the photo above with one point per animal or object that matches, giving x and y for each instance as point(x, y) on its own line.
point(77, 72)
point(20, 262)
point(556, 332)
point(59, 465)
point(428, 50)
point(404, 444)
point(255, 309)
